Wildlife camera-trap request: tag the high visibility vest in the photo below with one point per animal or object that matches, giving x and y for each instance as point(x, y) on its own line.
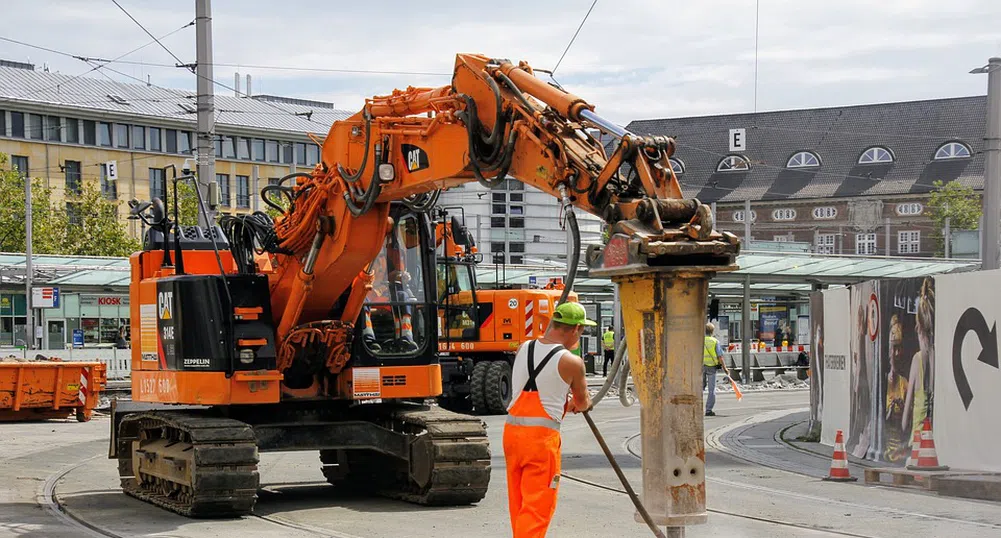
point(709, 357)
point(608, 339)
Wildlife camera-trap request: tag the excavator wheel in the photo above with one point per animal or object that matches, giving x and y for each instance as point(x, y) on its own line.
point(83, 415)
point(498, 387)
point(196, 466)
point(477, 387)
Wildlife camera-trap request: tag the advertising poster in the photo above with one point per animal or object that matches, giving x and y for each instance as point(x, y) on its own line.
point(836, 349)
point(862, 438)
point(967, 380)
point(774, 323)
point(816, 341)
point(908, 330)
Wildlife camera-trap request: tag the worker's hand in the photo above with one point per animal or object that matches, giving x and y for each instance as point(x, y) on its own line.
point(579, 407)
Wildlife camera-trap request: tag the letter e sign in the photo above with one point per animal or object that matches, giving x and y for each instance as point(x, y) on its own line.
point(738, 139)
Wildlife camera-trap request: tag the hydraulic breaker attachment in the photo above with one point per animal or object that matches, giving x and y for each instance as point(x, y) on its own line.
point(662, 256)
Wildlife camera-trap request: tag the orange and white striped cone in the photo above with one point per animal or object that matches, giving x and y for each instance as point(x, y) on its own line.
point(915, 447)
point(839, 462)
point(927, 458)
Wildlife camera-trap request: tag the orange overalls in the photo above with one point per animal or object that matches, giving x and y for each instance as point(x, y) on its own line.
point(532, 454)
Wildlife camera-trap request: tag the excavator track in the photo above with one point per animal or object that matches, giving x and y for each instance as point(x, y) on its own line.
point(196, 466)
point(449, 460)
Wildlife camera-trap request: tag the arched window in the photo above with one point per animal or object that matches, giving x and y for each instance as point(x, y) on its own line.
point(784, 214)
point(952, 150)
point(913, 208)
point(738, 216)
point(876, 155)
point(733, 163)
point(803, 159)
point(677, 166)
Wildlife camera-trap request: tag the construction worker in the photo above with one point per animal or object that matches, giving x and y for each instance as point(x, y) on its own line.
point(608, 344)
point(543, 375)
point(712, 359)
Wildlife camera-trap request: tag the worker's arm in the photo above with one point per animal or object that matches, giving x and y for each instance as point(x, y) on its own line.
point(572, 371)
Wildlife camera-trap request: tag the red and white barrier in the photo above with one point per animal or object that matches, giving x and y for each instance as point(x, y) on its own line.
point(735, 348)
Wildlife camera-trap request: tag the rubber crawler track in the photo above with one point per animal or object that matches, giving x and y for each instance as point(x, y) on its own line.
point(220, 457)
point(450, 451)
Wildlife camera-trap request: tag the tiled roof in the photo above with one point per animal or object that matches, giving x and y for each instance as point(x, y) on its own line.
point(101, 95)
point(913, 131)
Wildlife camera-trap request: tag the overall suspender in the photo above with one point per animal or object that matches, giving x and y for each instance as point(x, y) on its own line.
point(533, 372)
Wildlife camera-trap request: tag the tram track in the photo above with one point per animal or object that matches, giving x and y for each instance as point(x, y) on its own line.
point(48, 498)
point(891, 512)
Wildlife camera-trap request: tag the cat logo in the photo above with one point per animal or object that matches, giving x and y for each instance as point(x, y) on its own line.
point(417, 158)
point(163, 300)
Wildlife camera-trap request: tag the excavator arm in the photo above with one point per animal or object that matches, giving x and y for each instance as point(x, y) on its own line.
point(496, 119)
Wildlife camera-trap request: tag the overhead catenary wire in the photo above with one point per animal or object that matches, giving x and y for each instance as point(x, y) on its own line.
point(158, 42)
point(574, 38)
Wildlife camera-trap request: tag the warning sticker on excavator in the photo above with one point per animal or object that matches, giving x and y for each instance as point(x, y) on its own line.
point(147, 332)
point(366, 383)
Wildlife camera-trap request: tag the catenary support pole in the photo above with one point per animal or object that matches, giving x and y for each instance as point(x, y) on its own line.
point(745, 331)
point(887, 237)
point(29, 338)
point(990, 248)
point(947, 239)
point(205, 103)
point(747, 226)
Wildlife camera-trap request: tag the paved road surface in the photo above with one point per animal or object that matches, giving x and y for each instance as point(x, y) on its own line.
point(745, 499)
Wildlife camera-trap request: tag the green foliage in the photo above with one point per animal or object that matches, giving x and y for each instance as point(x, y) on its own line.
point(187, 199)
point(93, 226)
point(960, 204)
point(45, 224)
point(95, 229)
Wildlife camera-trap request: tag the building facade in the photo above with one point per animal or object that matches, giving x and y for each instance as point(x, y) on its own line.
point(517, 224)
point(849, 180)
point(67, 131)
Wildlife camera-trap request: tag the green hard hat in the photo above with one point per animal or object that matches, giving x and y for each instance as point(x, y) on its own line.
point(571, 314)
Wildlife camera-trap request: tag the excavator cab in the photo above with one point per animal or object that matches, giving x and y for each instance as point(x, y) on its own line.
point(396, 322)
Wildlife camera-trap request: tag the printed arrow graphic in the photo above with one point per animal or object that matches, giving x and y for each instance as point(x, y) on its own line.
point(973, 320)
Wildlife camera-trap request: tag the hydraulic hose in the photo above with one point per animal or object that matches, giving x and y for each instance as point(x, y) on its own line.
point(616, 364)
point(574, 258)
point(624, 384)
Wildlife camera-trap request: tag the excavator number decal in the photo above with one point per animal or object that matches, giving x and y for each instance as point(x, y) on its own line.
point(417, 158)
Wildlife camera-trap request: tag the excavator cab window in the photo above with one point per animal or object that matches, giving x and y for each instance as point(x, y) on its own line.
point(457, 310)
point(395, 315)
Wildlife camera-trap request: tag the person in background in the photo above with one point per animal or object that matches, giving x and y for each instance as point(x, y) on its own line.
point(712, 358)
point(121, 342)
point(608, 344)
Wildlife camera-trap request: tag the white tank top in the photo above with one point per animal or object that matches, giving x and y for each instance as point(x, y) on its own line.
point(552, 389)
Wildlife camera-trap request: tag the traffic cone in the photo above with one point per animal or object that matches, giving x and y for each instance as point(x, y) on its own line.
point(927, 459)
point(915, 447)
point(839, 462)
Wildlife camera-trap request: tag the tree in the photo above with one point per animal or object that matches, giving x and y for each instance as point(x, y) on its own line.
point(93, 226)
point(956, 202)
point(45, 231)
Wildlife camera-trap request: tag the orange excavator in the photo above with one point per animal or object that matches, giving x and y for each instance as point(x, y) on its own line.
point(318, 331)
point(480, 330)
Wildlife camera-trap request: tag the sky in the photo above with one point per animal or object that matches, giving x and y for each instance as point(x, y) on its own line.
point(633, 59)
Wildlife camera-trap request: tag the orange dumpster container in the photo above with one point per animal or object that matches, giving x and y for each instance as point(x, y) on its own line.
point(43, 389)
